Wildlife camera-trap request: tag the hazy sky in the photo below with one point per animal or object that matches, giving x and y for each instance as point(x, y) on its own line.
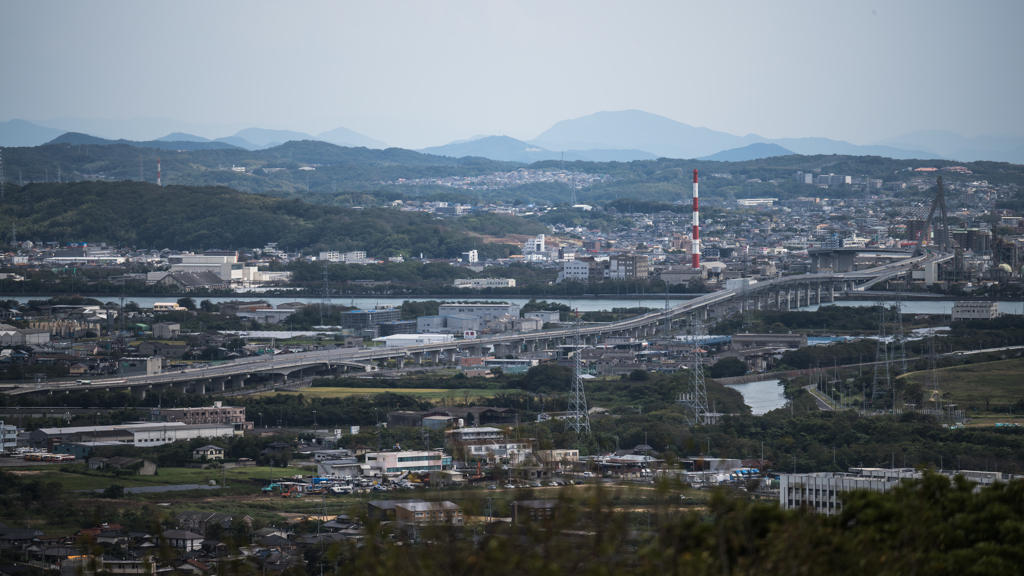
point(421, 73)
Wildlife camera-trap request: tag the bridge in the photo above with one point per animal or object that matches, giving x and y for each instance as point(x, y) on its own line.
point(784, 293)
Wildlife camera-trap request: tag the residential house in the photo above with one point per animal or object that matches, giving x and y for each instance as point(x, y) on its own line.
point(445, 512)
point(209, 452)
point(182, 539)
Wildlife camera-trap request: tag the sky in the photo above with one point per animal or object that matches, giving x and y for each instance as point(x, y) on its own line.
point(422, 73)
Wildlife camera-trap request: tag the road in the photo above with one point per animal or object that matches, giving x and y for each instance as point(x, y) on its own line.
point(361, 357)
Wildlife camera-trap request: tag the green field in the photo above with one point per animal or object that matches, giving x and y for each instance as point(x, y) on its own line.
point(429, 393)
point(986, 386)
point(164, 476)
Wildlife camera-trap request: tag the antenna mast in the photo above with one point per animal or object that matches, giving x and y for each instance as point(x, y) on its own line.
point(577, 418)
point(158, 171)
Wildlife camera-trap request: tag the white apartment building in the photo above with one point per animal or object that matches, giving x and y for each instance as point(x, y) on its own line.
point(8, 437)
point(357, 257)
point(393, 463)
point(574, 270)
point(975, 311)
point(822, 492)
point(479, 283)
point(757, 201)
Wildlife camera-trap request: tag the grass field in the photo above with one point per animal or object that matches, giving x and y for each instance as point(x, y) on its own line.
point(165, 476)
point(990, 386)
point(429, 393)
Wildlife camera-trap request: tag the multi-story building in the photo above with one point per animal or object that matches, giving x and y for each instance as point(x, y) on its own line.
point(216, 414)
point(486, 312)
point(628, 266)
point(975, 311)
point(575, 270)
point(448, 324)
point(394, 463)
point(471, 257)
point(479, 283)
point(428, 513)
point(8, 437)
point(356, 257)
point(822, 492)
point(363, 319)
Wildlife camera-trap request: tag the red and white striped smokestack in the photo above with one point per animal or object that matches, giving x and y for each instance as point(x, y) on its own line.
point(158, 171)
point(696, 225)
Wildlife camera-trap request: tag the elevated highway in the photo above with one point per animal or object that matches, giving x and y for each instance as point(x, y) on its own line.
point(784, 293)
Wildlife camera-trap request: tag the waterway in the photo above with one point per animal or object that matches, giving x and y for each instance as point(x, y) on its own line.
point(762, 396)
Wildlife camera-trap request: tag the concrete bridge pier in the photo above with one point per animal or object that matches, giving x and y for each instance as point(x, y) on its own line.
point(180, 387)
point(434, 356)
point(139, 391)
point(238, 381)
point(199, 386)
point(216, 384)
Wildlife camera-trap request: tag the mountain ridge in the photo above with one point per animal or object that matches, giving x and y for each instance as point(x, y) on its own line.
point(508, 149)
point(669, 138)
point(76, 138)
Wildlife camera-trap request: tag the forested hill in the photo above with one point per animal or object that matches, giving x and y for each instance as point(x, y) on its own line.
point(280, 168)
point(328, 174)
point(193, 218)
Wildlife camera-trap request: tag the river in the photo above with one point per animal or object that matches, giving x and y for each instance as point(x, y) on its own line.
point(762, 396)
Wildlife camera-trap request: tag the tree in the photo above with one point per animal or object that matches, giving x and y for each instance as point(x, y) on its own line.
point(114, 492)
point(639, 375)
point(187, 303)
point(728, 367)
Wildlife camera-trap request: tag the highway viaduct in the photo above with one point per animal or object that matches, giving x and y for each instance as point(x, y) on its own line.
point(785, 293)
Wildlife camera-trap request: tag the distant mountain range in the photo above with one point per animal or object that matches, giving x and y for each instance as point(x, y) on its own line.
point(956, 147)
point(751, 152)
point(509, 149)
point(667, 138)
point(14, 133)
point(21, 133)
point(76, 139)
point(622, 136)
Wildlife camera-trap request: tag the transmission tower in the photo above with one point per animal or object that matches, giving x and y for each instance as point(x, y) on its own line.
point(2, 178)
point(899, 342)
point(880, 382)
point(577, 418)
point(931, 376)
point(325, 296)
point(695, 399)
